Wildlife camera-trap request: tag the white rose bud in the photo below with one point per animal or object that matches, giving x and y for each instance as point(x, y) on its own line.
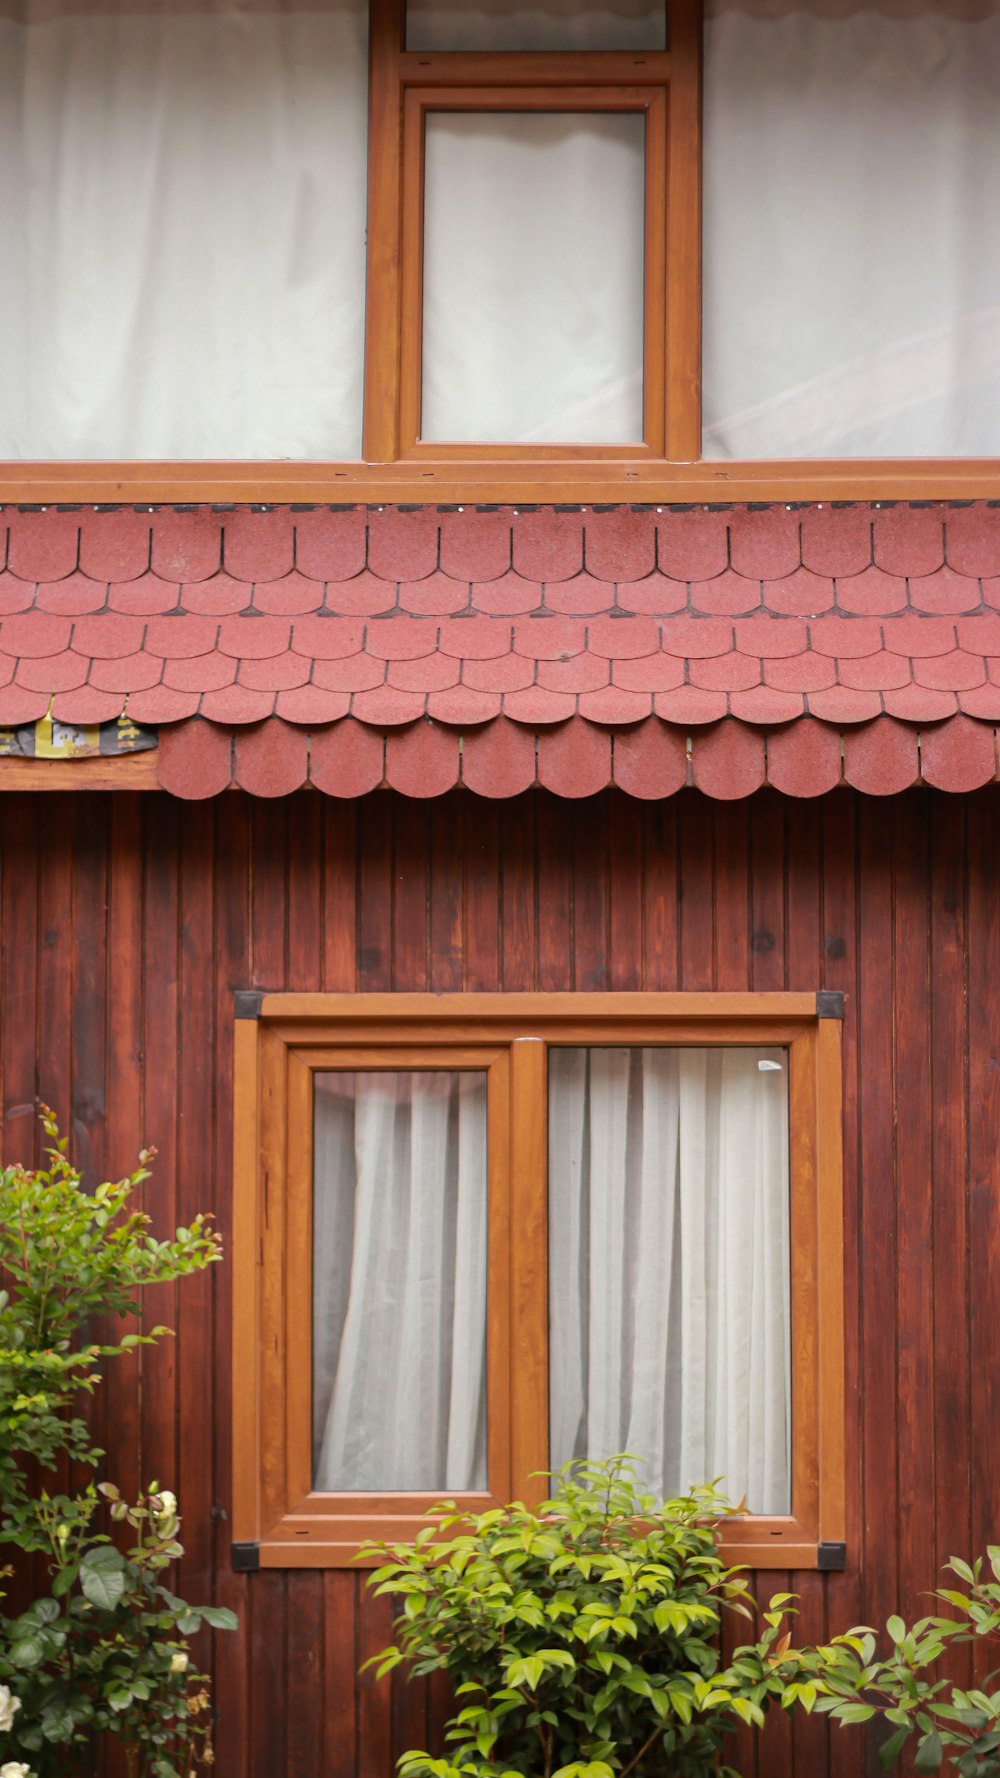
point(166, 1505)
point(14, 1768)
point(8, 1706)
point(178, 1664)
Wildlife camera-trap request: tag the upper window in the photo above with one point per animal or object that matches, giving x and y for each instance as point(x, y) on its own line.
point(491, 1238)
point(416, 241)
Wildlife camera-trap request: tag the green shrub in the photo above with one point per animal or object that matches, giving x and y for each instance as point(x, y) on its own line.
point(583, 1641)
point(105, 1650)
point(906, 1689)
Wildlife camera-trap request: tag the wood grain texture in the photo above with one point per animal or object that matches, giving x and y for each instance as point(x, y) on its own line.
point(125, 934)
point(508, 479)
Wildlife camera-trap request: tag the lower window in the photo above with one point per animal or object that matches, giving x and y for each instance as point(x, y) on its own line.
point(479, 1237)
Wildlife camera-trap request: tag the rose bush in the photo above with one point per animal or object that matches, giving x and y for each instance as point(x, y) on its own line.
point(105, 1650)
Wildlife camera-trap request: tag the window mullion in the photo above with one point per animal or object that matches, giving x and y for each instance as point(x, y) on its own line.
point(386, 25)
point(529, 1251)
point(682, 393)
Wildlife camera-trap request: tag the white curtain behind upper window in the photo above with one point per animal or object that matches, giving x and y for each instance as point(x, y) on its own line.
point(852, 243)
point(557, 24)
point(533, 277)
point(182, 217)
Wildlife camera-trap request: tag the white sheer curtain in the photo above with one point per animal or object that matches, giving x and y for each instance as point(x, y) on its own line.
point(182, 195)
point(851, 253)
point(399, 1281)
point(556, 24)
point(533, 277)
point(669, 1265)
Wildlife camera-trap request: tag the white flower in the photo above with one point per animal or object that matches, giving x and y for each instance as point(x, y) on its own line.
point(166, 1504)
point(14, 1768)
point(178, 1664)
point(8, 1705)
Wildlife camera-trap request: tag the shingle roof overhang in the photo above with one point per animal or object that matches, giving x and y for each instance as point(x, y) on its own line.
point(724, 647)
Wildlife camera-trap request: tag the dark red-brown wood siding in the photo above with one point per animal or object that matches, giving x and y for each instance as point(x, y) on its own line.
point(127, 923)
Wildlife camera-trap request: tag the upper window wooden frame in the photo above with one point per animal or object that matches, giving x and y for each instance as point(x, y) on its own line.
point(281, 1040)
point(667, 466)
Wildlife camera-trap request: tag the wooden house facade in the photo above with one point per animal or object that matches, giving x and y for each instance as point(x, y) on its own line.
point(500, 563)
point(760, 854)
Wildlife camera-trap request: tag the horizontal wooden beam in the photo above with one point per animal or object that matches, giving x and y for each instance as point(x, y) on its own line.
point(488, 1009)
point(117, 771)
point(500, 479)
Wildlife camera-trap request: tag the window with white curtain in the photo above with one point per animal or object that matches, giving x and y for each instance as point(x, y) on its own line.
point(668, 1267)
point(669, 1286)
point(485, 1235)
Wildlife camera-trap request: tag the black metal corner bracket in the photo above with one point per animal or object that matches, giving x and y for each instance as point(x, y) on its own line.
point(248, 1002)
point(246, 1558)
point(829, 1003)
point(831, 1557)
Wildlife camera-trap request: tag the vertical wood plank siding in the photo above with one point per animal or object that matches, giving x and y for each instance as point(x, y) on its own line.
point(128, 923)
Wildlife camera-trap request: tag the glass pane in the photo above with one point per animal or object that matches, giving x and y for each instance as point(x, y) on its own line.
point(185, 186)
point(851, 289)
point(559, 24)
point(669, 1266)
point(399, 1282)
point(533, 277)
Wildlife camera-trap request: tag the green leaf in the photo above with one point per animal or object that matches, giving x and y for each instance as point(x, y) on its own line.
point(102, 1578)
point(854, 1712)
point(28, 1652)
point(929, 1754)
point(890, 1750)
point(57, 1723)
point(896, 1629)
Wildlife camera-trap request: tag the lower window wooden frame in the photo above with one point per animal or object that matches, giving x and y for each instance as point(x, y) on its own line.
point(278, 1519)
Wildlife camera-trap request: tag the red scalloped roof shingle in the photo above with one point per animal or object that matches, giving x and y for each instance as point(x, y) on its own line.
point(506, 647)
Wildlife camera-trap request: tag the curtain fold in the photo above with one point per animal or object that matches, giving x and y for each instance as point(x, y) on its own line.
point(399, 1282)
point(669, 1286)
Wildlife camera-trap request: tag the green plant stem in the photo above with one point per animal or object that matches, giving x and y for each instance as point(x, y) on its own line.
point(644, 1749)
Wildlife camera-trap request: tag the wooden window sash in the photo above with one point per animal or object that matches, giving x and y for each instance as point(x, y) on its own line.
point(325, 1526)
point(509, 1036)
point(596, 96)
